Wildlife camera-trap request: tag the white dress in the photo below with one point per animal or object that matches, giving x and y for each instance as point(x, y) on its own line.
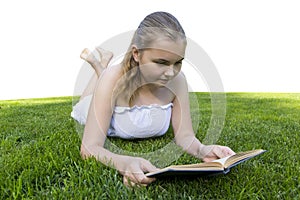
point(131, 122)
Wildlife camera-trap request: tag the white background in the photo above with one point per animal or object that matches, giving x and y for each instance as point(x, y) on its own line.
point(255, 44)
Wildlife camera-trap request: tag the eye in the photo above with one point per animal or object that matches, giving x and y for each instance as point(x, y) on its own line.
point(178, 63)
point(161, 62)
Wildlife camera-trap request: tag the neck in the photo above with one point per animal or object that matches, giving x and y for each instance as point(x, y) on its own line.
point(149, 87)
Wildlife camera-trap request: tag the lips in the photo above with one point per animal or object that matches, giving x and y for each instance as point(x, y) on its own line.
point(164, 80)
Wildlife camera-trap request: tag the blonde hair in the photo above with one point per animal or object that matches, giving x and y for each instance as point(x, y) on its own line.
point(153, 26)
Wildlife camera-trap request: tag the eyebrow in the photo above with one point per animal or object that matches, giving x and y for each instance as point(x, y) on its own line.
point(161, 60)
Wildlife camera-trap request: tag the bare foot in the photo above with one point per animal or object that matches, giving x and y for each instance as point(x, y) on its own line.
point(91, 59)
point(105, 56)
point(98, 65)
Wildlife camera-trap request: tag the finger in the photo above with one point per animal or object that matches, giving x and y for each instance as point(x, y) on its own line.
point(127, 182)
point(219, 152)
point(228, 151)
point(141, 178)
point(145, 180)
point(129, 179)
point(223, 151)
point(147, 166)
point(136, 173)
point(138, 177)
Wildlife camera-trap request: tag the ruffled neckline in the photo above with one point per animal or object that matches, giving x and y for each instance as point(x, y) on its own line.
point(122, 109)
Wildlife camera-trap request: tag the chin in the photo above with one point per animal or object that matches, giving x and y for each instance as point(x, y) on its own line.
point(162, 84)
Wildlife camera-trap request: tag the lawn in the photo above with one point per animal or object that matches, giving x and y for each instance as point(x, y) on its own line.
point(39, 152)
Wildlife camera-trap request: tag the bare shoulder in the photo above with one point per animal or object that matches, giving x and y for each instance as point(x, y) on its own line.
point(108, 80)
point(112, 72)
point(110, 75)
point(106, 85)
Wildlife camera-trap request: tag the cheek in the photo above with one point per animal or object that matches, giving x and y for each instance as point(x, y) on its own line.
point(146, 71)
point(177, 69)
point(151, 69)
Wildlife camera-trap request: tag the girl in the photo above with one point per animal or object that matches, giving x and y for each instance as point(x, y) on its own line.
point(139, 97)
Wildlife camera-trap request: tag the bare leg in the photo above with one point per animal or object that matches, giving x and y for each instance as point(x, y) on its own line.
point(90, 87)
point(98, 66)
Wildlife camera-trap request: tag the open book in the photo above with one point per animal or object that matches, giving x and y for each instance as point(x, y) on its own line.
point(220, 166)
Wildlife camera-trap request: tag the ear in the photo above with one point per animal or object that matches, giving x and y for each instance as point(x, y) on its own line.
point(135, 53)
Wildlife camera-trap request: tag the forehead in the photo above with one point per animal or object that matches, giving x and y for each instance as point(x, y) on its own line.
point(168, 46)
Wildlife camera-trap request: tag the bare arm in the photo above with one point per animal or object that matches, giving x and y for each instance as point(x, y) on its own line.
point(181, 119)
point(95, 132)
point(183, 130)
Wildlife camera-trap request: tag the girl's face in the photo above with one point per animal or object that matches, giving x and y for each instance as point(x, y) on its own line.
point(161, 62)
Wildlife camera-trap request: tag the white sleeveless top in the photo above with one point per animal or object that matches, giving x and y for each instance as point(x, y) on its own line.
point(131, 122)
point(140, 121)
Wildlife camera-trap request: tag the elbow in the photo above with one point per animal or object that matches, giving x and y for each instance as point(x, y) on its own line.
point(84, 152)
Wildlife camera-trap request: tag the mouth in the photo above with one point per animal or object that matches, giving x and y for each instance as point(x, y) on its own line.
point(164, 81)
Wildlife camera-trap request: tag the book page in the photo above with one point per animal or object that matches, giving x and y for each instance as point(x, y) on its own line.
point(222, 160)
point(198, 165)
point(218, 166)
point(241, 157)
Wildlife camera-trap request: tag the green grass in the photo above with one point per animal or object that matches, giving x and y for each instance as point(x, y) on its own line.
point(39, 153)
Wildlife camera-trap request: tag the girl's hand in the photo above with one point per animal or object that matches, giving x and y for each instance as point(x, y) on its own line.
point(134, 169)
point(212, 152)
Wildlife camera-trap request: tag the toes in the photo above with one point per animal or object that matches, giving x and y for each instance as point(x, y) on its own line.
point(88, 56)
point(85, 54)
point(105, 57)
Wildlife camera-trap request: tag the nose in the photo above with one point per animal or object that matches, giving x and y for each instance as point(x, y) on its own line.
point(170, 72)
